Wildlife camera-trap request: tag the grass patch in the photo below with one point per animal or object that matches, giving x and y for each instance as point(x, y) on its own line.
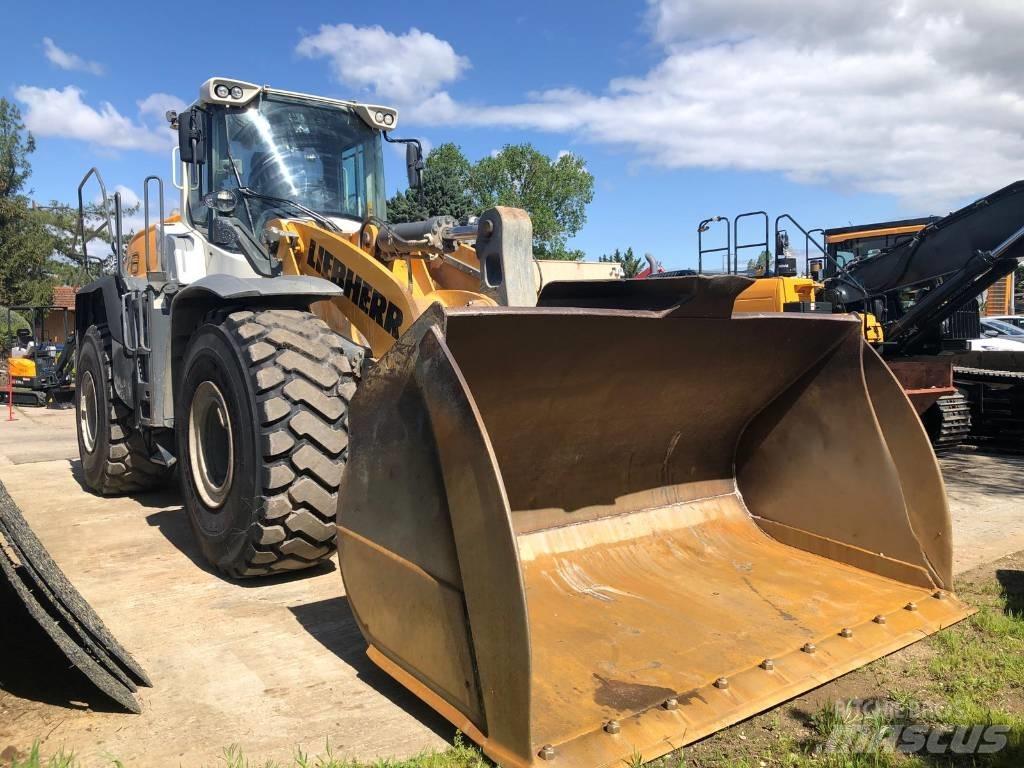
point(459, 755)
point(35, 760)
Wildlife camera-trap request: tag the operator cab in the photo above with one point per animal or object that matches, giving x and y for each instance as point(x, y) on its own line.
point(253, 154)
point(846, 245)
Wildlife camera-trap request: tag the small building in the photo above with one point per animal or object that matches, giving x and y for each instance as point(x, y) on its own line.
point(54, 328)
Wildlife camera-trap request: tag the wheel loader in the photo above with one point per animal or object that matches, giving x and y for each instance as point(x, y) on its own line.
point(580, 532)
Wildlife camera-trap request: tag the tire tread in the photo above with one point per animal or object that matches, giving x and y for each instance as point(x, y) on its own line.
point(127, 466)
point(303, 375)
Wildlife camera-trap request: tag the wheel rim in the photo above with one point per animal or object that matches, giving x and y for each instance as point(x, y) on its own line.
point(88, 410)
point(211, 448)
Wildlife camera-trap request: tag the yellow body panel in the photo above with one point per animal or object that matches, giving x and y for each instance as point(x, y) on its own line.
point(382, 298)
point(136, 264)
point(22, 367)
point(771, 294)
point(873, 332)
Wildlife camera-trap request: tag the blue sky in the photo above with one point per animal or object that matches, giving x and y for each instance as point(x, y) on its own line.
point(835, 112)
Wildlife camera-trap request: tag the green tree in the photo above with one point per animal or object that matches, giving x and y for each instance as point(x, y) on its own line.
point(554, 192)
point(759, 265)
point(631, 264)
point(445, 189)
point(7, 332)
point(61, 220)
point(25, 242)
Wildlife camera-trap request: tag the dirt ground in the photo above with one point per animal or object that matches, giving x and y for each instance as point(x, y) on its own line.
point(274, 666)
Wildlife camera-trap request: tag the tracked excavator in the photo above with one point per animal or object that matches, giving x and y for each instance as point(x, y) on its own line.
point(915, 284)
point(924, 284)
point(39, 372)
point(574, 545)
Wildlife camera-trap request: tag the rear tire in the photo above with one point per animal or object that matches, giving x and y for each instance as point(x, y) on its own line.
point(115, 458)
point(262, 434)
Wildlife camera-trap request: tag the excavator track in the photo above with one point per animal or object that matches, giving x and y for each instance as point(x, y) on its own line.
point(997, 407)
point(948, 421)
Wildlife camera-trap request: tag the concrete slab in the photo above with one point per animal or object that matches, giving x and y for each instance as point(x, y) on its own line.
point(276, 665)
point(37, 434)
point(269, 667)
point(986, 498)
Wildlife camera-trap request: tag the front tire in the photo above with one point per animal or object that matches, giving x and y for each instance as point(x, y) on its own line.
point(114, 454)
point(262, 433)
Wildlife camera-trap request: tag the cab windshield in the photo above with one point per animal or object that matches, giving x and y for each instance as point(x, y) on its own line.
point(321, 156)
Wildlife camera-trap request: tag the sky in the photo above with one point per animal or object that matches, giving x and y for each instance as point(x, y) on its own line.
point(832, 111)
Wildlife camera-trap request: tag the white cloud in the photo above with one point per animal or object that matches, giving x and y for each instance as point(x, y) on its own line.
point(563, 153)
point(402, 68)
point(70, 61)
point(158, 104)
point(128, 197)
point(919, 99)
point(63, 113)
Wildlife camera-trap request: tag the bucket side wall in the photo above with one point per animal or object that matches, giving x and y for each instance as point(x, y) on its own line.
point(815, 470)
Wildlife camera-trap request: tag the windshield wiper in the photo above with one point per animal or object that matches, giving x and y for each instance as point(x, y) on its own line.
point(319, 218)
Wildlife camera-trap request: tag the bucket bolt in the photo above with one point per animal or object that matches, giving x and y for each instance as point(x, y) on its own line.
point(671, 704)
point(612, 727)
point(911, 606)
point(808, 648)
point(547, 752)
point(879, 619)
point(846, 632)
point(722, 683)
point(768, 665)
point(939, 595)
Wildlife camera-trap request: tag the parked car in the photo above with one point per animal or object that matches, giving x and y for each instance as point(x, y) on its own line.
point(996, 344)
point(1015, 320)
point(998, 336)
point(993, 327)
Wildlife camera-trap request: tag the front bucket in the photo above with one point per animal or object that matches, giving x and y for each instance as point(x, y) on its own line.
point(586, 534)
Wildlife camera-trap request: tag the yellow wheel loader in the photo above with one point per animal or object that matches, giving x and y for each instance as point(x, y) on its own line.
point(603, 527)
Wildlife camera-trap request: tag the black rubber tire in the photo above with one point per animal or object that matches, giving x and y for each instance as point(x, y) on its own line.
point(286, 380)
point(119, 462)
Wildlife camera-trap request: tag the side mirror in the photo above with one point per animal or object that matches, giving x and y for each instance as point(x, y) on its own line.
point(191, 141)
point(414, 164)
point(990, 334)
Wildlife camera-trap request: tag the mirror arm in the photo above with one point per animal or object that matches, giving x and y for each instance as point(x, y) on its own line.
point(414, 167)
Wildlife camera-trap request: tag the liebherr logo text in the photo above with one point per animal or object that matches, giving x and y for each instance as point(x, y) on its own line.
point(372, 302)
